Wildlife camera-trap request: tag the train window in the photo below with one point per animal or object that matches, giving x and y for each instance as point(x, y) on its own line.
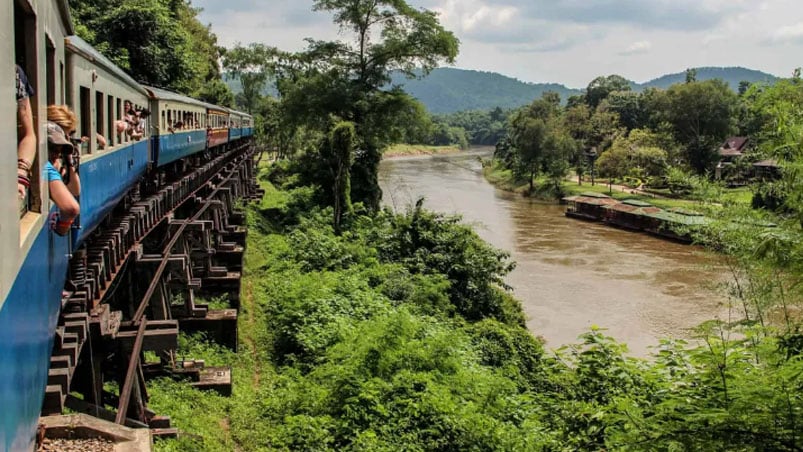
point(164, 121)
point(100, 122)
point(61, 79)
point(86, 115)
point(119, 116)
point(25, 55)
point(110, 115)
point(50, 68)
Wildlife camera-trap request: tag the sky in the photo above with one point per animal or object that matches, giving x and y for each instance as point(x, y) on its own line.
point(562, 41)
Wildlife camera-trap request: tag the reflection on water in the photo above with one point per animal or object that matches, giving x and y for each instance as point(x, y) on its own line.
point(570, 274)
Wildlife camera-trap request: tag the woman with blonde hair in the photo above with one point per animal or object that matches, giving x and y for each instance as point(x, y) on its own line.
point(63, 116)
point(60, 170)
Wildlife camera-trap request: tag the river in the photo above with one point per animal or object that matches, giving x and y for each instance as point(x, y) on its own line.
point(570, 274)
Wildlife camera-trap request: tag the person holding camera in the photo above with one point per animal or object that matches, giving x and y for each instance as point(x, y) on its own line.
point(61, 169)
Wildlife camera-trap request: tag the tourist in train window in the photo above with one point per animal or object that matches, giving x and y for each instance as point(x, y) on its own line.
point(138, 127)
point(26, 134)
point(61, 172)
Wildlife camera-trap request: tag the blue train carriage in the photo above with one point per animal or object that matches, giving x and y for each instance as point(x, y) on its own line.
point(100, 93)
point(34, 264)
point(235, 125)
point(180, 126)
point(248, 126)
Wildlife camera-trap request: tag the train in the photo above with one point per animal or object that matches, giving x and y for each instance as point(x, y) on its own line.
point(63, 69)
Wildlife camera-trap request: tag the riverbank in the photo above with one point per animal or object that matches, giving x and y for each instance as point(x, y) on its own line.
point(504, 179)
point(410, 150)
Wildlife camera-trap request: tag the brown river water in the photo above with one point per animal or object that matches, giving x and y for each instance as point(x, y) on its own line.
point(570, 274)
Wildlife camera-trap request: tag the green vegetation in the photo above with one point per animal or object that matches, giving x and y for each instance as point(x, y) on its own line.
point(345, 80)
point(158, 42)
point(398, 333)
point(364, 329)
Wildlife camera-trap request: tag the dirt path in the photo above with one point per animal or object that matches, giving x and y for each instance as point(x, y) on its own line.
point(620, 188)
point(247, 301)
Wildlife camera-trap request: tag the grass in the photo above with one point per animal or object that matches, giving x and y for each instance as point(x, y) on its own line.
point(402, 150)
point(210, 422)
point(572, 188)
point(504, 179)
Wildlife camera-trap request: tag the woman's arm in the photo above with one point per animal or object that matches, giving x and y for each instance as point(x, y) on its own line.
point(75, 183)
point(26, 147)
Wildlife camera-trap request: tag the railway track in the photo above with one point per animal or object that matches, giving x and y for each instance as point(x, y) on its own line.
point(132, 287)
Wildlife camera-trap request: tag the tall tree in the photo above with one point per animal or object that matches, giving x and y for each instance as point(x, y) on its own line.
point(250, 66)
point(628, 106)
point(349, 79)
point(539, 140)
point(601, 87)
point(702, 116)
point(338, 151)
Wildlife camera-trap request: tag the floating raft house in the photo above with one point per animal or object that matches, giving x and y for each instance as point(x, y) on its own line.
point(631, 214)
point(588, 206)
point(676, 223)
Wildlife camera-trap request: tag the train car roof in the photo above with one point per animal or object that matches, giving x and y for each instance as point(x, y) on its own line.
point(241, 113)
point(81, 47)
point(163, 94)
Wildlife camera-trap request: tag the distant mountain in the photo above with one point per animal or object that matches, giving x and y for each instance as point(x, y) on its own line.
point(732, 75)
point(448, 90)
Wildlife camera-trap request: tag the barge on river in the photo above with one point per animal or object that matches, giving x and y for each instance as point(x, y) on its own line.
point(635, 215)
point(631, 214)
point(588, 206)
point(676, 224)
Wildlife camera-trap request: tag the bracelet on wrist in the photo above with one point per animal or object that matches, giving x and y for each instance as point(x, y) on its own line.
point(25, 181)
point(24, 163)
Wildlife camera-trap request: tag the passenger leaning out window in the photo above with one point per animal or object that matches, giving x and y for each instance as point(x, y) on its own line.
point(138, 130)
point(61, 172)
point(26, 135)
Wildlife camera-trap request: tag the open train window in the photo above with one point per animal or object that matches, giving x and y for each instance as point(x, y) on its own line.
point(100, 121)
point(110, 115)
point(118, 116)
point(25, 55)
point(86, 116)
point(61, 85)
point(50, 62)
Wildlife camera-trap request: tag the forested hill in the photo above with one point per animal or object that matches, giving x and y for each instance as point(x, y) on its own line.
point(732, 75)
point(448, 90)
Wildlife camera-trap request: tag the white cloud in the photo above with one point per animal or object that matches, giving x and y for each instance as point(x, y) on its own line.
point(790, 34)
point(488, 17)
point(637, 48)
point(566, 41)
